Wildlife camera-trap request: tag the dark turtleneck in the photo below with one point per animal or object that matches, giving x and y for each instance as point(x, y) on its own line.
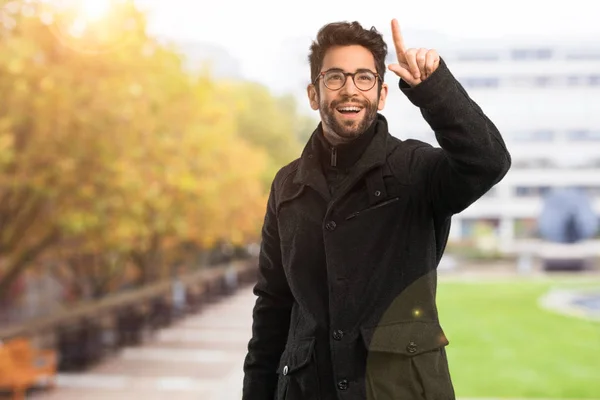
point(336, 161)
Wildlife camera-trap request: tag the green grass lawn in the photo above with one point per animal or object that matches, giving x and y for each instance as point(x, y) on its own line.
point(502, 344)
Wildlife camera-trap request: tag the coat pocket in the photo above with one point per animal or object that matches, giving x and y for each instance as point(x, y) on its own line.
point(298, 372)
point(374, 207)
point(407, 360)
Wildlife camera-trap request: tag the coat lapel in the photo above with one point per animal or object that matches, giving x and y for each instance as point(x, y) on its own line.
point(309, 171)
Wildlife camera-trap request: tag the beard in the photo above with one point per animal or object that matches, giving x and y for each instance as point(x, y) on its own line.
point(347, 129)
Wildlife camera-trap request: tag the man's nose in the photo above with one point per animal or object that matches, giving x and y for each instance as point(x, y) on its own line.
point(349, 88)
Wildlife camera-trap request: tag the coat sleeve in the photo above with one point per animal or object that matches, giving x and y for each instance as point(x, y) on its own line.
point(473, 156)
point(271, 314)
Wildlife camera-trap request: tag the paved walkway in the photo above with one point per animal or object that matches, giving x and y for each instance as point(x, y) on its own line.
point(197, 358)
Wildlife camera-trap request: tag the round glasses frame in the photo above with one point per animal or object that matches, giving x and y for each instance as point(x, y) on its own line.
point(323, 74)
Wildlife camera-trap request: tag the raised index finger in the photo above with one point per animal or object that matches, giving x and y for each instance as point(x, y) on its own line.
point(398, 41)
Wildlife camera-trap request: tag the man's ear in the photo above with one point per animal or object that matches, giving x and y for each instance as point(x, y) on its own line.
point(382, 97)
point(313, 97)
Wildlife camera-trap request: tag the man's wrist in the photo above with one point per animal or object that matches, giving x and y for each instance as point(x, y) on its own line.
point(433, 90)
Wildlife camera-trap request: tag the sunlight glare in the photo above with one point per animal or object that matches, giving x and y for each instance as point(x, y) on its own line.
point(94, 10)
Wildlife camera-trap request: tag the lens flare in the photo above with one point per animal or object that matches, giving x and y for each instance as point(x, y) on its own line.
point(92, 26)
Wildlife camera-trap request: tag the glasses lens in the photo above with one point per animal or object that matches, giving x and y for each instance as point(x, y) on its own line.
point(364, 80)
point(334, 80)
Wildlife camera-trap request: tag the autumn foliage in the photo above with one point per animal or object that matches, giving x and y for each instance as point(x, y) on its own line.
point(112, 153)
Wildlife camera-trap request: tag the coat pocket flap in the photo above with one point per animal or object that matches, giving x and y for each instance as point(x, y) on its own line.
point(296, 355)
point(407, 338)
point(374, 207)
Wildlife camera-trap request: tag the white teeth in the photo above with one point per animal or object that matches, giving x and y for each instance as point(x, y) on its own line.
point(349, 109)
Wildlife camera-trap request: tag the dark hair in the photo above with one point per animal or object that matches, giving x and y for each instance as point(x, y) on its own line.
point(346, 34)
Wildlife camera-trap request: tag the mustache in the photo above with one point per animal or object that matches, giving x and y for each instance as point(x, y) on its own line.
point(349, 100)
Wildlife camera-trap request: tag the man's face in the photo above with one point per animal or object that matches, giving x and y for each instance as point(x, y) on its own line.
point(339, 122)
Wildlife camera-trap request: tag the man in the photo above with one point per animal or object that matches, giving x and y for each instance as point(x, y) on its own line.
point(355, 228)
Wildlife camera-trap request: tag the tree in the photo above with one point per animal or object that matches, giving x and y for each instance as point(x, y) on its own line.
point(263, 121)
point(111, 152)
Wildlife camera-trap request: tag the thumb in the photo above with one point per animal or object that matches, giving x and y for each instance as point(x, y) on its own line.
point(404, 74)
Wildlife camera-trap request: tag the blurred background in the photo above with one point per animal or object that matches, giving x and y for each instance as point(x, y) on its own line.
point(138, 141)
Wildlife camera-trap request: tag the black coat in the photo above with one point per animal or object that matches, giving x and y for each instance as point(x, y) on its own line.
point(346, 305)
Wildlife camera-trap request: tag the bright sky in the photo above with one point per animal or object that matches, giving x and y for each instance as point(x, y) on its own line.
point(243, 23)
point(251, 30)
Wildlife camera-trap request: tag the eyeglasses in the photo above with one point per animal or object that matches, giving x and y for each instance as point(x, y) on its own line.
point(336, 79)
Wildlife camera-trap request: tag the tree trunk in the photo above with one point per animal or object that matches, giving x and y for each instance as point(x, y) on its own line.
point(24, 260)
point(148, 261)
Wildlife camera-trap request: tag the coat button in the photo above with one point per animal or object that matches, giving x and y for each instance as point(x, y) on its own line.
point(411, 347)
point(338, 335)
point(285, 370)
point(330, 225)
point(377, 193)
point(343, 384)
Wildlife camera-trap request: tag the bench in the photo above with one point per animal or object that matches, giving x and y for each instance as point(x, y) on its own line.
point(23, 367)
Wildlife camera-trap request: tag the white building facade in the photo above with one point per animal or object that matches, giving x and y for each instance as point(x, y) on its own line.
point(546, 102)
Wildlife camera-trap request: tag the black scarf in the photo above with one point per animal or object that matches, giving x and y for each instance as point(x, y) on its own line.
point(336, 161)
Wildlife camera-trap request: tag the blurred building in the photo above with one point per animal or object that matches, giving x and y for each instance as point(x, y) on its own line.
point(544, 97)
point(201, 55)
point(542, 93)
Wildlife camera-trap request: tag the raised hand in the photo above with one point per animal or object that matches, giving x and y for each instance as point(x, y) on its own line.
point(414, 65)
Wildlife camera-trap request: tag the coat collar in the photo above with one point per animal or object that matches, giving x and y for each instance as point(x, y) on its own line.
point(346, 154)
point(309, 168)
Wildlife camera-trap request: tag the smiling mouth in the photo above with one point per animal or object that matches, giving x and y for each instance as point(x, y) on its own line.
point(349, 110)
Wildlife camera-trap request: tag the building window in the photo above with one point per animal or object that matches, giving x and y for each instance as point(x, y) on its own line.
point(554, 81)
point(543, 81)
point(574, 80)
point(583, 135)
point(531, 54)
point(480, 82)
point(583, 55)
point(541, 135)
point(532, 81)
point(594, 80)
point(534, 163)
point(591, 191)
point(531, 191)
point(583, 80)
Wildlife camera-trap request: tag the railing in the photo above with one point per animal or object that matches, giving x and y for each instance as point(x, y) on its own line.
point(84, 334)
